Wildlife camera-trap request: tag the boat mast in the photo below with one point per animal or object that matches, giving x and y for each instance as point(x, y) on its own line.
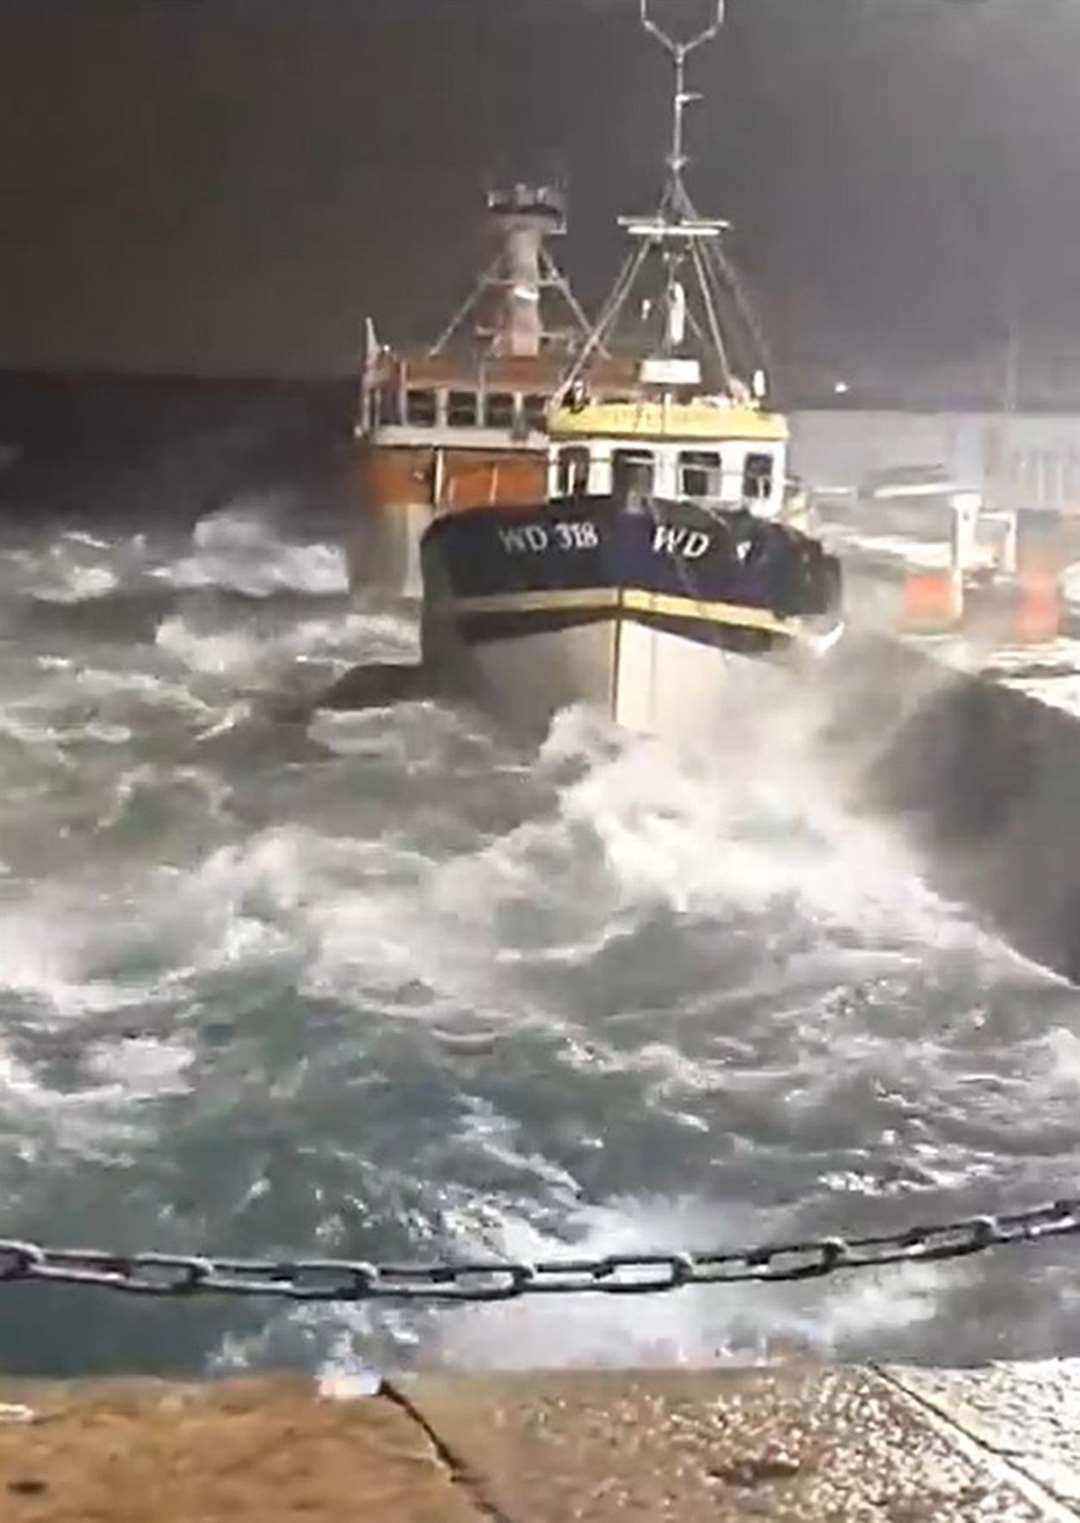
point(682, 236)
point(677, 160)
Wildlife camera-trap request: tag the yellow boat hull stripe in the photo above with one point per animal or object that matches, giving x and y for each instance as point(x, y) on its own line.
point(600, 598)
point(667, 607)
point(604, 599)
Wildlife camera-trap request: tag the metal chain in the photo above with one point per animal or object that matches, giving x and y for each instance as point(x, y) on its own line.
point(619, 1274)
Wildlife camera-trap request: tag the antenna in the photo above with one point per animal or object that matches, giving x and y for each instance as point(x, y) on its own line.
point(680, 52)
point(687, 245)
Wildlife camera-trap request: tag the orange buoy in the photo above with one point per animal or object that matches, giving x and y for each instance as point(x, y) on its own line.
point(1040, 558)
point(933, 601)
point(1038, 609)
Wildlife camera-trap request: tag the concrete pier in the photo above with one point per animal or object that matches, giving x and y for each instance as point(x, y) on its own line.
point(957, 695)
point(787, 1442)
point(976, 755)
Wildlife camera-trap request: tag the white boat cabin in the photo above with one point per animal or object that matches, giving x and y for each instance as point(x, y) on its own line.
point(719, 454)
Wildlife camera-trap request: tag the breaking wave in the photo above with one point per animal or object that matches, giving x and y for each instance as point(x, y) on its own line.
point(387, 986)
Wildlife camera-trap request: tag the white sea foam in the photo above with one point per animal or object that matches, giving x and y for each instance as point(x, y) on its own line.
point(238, 550)
point(418, 993)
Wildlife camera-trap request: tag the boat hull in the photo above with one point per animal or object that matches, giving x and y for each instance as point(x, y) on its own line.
point(639, 614)
point(405, 485)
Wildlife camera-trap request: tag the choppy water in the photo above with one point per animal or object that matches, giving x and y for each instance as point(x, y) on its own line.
point(390, 987)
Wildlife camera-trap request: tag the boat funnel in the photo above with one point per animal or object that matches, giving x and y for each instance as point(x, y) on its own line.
point(526, 215)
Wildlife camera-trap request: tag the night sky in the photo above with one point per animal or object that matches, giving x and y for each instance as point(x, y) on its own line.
point(228, 186)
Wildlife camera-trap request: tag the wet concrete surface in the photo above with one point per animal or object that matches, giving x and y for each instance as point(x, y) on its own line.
point(809, 1443)
point(1027, 1413)
point(259, 1451)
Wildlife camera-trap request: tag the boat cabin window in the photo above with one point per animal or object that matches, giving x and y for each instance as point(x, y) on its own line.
point(758, 477)
point(699, 474)
point(632, 473)
point(536, 412)
point(420, 408)
point(500, 409)
point(462, 409)
point(389, 410)
point(573, 478)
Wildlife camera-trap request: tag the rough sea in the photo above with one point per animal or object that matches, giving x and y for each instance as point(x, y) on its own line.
point(388, 986)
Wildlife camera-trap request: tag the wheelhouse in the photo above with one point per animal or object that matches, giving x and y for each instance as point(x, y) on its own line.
point(402, 409)
point(720, 455)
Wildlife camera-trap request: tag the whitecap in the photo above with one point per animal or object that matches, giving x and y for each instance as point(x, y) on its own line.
point(238, 550)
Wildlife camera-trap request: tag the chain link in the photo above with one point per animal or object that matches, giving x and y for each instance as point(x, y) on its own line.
point(620, 1274)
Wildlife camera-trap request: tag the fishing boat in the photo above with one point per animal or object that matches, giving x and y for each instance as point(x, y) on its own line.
point(665, 544)
point(462, 423)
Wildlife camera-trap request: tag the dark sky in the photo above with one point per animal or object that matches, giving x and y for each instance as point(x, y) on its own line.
point(227, 186)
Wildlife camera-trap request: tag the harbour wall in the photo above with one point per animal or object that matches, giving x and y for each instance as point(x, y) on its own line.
point(982, 775)
point(977, 757)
